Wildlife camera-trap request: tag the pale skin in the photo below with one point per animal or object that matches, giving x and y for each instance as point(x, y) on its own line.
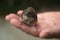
point(48, 24)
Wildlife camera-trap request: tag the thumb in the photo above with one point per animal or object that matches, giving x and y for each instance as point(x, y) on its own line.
point(50, 33)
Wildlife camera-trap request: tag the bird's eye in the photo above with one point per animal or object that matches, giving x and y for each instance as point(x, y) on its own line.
point(29, 14)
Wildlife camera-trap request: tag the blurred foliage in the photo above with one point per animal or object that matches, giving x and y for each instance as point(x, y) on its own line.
point(8, 6)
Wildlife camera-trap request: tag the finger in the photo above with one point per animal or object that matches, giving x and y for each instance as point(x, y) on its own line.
point(11, 16)
point(30, 30)
point(50, 33)
point(43, 34)
point(19, 12)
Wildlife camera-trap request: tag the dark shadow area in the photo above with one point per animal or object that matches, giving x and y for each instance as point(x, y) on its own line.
point(8, 6)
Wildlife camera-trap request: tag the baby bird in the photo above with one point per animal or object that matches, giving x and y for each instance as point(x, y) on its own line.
point(29, 16)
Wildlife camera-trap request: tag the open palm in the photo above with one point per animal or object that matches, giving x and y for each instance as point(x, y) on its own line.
point(48, 24)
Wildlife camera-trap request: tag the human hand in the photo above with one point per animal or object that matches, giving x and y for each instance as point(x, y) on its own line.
point(47, 26)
